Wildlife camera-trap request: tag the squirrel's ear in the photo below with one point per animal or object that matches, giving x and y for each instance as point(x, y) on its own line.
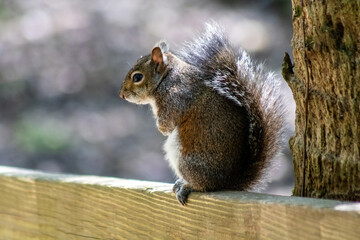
point(156, 55)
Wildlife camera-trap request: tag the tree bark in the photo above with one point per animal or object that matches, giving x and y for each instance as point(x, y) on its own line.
point(325, 81)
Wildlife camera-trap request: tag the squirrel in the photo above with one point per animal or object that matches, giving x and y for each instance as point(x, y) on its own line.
point(222, 113)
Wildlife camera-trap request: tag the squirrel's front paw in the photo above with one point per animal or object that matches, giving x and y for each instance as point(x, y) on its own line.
point(182, 190)
point(164, 130)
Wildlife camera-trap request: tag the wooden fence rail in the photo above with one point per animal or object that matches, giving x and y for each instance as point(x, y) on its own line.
point(35, 205)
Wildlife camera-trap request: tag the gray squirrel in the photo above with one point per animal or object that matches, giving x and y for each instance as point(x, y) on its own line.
point(223, 115)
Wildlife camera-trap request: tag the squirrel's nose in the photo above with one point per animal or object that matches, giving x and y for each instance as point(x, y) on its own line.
point(121, 94)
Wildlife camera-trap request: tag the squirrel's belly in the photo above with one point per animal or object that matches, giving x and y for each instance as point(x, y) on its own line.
point(173, 149)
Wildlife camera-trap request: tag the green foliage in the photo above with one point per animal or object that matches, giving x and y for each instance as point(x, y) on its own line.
point(40, 136)
point(2, 9)
point(12, 88)
point(297, 11)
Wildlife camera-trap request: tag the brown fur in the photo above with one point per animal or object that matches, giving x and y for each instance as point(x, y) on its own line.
point(226, 134)
point(215, 147)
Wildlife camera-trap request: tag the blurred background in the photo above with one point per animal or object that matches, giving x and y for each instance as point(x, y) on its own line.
point(62, 64)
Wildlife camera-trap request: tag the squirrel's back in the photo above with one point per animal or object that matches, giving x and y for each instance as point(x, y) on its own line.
point(232, 74)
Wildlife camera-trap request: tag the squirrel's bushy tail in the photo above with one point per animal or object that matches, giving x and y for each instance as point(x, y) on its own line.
point(235, 76)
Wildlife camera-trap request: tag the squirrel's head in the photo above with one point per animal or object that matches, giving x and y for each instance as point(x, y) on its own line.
point(146, 75)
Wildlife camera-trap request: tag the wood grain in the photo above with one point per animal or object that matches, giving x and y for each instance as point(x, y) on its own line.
point(36, 205)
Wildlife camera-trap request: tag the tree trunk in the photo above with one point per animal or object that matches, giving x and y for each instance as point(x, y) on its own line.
point(326, 87)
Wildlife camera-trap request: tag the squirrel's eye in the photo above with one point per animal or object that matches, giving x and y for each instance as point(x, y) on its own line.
point(137, 77)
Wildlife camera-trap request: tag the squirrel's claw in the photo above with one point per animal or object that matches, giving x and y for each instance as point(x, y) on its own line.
point(178, 185)
point(182, 191)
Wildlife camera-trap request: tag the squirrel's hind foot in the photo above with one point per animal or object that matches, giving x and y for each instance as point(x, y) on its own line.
point(182, 190)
